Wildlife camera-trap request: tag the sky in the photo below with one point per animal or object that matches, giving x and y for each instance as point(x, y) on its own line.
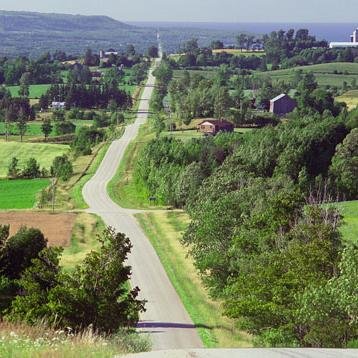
point(199, 10)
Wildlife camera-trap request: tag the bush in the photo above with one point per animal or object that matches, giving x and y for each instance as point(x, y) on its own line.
point(64, 127)
point(32, 169)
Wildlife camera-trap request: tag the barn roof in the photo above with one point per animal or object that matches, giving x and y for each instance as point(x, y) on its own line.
point(282, 95)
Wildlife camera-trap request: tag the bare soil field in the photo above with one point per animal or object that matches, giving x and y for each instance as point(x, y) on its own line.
point(57, 228)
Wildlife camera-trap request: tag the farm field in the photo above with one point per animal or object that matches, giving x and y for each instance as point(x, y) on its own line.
point(350, 98)
point(349, 229)
point(332, 74)
point(44, 153)
point(57, 228)
point(36, 91)
point(21, 193)
point(238, 52)
point(164, 230)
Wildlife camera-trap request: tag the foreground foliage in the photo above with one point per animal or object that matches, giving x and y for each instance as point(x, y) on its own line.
point(95, 294)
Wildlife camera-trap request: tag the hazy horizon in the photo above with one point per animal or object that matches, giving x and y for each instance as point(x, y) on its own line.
point(201, 11)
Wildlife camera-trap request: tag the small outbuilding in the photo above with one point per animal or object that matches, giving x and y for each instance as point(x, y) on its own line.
point(282, 105)
point(214, 126)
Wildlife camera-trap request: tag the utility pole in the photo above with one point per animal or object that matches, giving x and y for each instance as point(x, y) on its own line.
point(53, 188)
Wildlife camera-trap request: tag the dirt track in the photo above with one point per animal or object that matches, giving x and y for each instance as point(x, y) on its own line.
point(57, 228)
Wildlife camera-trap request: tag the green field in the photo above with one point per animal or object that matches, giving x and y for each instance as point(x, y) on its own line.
point(34, 128)
point(20, 194)
point(42, 152)
point(36, 91)
point(349, 229)
point(164, 230)
point(332, 74)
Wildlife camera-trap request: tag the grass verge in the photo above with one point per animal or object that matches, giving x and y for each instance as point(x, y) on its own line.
point(22, 341)
point(164, 230)
point(84, 239)
point(123, 188)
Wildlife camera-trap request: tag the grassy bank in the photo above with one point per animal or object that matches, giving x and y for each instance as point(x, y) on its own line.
point(164, 230)
point(20, 193)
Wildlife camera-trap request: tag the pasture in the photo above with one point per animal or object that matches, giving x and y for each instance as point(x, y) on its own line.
point(44, 154)
point(21, 193)
point(327, 74)
point(35, 91)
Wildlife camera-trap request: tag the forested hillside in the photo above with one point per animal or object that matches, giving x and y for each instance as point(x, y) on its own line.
point(32, 34)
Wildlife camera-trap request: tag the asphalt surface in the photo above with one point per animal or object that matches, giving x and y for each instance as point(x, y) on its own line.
point(166, 319)
point(251, 353)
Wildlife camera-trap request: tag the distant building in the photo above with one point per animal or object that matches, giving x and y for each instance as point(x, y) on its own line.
point(214, 126)
point(353, 41)
point(106, 54)
point(282, 105)
point(58, 105)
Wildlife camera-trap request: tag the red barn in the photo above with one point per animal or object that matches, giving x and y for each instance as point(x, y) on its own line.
point(282, 105)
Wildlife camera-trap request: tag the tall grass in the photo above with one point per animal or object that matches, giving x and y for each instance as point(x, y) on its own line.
point(18, 340)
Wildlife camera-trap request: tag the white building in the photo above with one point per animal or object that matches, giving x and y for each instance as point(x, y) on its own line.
point(352, 43)
point(58, 105)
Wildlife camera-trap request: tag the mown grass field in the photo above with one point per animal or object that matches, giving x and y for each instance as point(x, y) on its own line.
point(44, 153)
point(35, 91)
point(21, 193)
point(350, 98)
point(164, 230)
point(349, 228)
point(34, 129)
point(328, 74)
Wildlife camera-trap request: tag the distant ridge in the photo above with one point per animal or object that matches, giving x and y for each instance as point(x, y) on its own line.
point(33, 33)
point(15, 21)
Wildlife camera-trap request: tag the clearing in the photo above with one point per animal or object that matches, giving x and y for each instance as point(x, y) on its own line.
point(57, 228)
point(349, 229)
point(238, 52)
point(35, 91)
point(350, 98)
point(164, 230)
point(44, 154)
point(20, 193)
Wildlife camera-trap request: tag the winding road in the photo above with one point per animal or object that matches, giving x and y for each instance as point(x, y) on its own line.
point(165, 319)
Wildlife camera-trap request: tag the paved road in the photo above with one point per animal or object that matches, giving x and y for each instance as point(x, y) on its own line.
point(251, 353)
point(166, 319)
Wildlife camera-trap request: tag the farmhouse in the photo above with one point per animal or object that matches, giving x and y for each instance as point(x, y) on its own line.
point(58, 105)
point(214, 126)
point(353, 41)
point(282, 105)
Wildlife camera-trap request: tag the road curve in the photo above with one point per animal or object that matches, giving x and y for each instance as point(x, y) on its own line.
point(166, 319)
